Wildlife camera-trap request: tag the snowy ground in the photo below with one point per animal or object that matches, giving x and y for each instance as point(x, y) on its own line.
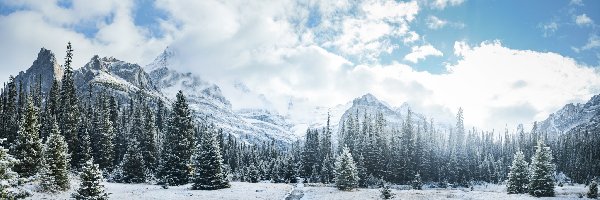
point(238, 190)
point(242, 190)
point(479, 192)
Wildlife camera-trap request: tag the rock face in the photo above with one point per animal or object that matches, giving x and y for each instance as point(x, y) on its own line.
point(44, 70)
point(118, 78)
point(571, 116)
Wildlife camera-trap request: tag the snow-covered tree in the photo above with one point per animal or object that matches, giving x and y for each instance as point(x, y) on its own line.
point(518, 175)
point(386, 192)
point(178, 144)
point(56, 163)
point(208, 162)
point(90, 187)
point(7, 176)
point(68, 115)
point(28, 146)
point(417, 183)
point(593, 190)
point(541, 183)
point(133, 167)
point(346, 173)
point(148, 141)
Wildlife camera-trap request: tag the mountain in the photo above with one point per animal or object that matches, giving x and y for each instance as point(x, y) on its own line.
point(368, 104)
point(571, 116)
point(208, 103)
point(44, 70)
point(118, 78)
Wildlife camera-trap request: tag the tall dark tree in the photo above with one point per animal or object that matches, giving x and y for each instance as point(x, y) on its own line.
point(68, 115)
point(28, 146)
point(56, 162)
point(178, 144)
point(208, 163)
point(148, 141)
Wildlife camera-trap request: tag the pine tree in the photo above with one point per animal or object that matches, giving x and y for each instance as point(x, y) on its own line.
point(90, 187)
point(346, 173)
point(386, 192)
point(518, 176)
point(56, 162)
point(133, 164)
point(10, 117)
point(148, 141)
point(541, 183)
point(178, 144)
point(69, 110)
point(28, 147)
point(208, 163)
point(417, 183)
point(253, 174)
point(7, 176)
point(104, 135)
point(593, 190)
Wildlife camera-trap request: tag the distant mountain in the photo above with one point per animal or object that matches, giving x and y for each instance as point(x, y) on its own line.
point(45, 69)
point(208, 103)
point(117, 77)
point(572, 116)
point(370, 105)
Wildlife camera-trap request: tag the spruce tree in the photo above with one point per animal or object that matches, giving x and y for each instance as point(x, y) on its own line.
point(208, 163)
point(7, 176)
point(177, 147)
point(541, 183)
point(386, 192)
point(90, 187)
point(148, 141)
point(28, 146)
point(133, 164)
point(593, 190)
point(518, 175)
point(10, 117)
point(417, 183)
point(346, 173)
point(56, 162)
point(69, 110)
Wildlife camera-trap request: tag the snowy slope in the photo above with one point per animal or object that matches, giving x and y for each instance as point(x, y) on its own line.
point(208, 103)
point(570, 116)
point(117, 77)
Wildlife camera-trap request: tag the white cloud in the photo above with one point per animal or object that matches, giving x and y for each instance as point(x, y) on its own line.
point(593, 42)
point(583, 20)
point(435, 23)
point(549, 28)
point(371, 30)
point(38, 24)
point(441, 4)
point(411, 37)
point(576, 2)
point(421, 52)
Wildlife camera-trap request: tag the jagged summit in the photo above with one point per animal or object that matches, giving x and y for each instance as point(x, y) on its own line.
point(44, 69)
point(114, 74)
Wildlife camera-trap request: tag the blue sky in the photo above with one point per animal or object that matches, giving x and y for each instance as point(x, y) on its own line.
point(437, 55)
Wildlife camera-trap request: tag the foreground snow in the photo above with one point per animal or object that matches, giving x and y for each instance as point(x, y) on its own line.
point(479, 192)
point(238, 190)
point(242, 190)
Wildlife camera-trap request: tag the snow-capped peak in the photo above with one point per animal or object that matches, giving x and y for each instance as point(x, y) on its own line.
point(163, 60)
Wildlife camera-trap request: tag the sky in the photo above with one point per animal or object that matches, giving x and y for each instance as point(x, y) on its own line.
point(504, 62)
